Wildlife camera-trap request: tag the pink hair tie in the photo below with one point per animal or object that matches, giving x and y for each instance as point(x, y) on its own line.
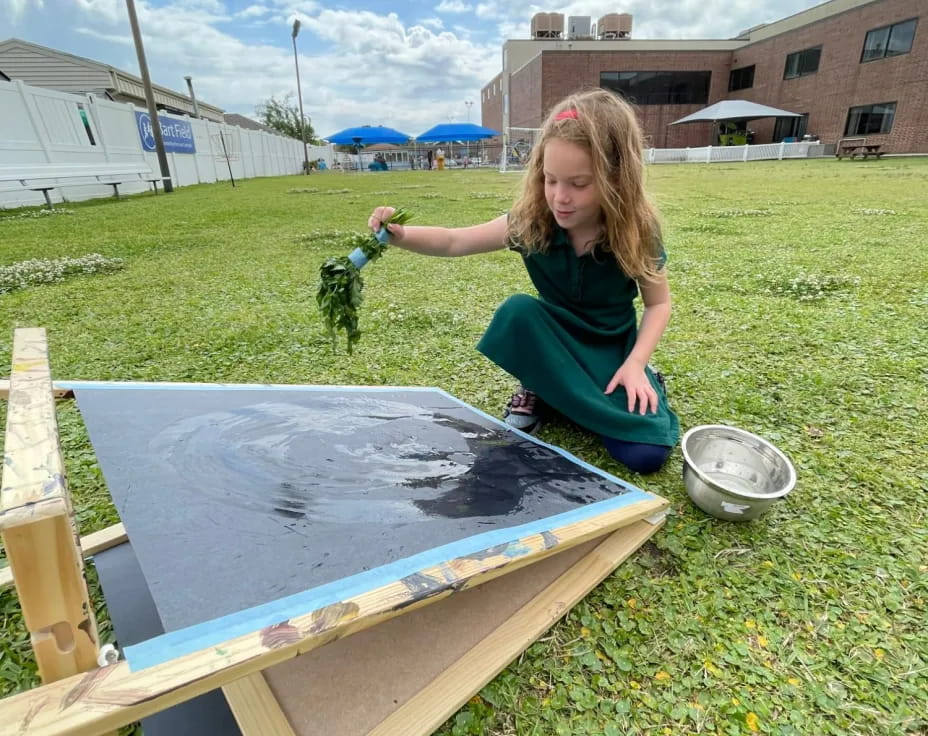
point(570, 114)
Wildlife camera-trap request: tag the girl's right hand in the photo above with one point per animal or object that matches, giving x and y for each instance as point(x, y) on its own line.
point(377, 219)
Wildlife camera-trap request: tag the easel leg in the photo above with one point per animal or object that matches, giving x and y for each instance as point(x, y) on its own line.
point(37, 521)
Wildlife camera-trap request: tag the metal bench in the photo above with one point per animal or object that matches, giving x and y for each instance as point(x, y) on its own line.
point(45, 177)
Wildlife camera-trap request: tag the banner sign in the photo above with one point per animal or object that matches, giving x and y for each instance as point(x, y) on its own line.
point(177, 134)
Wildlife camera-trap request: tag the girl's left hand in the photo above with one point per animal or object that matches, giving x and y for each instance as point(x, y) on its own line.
point(632, 376)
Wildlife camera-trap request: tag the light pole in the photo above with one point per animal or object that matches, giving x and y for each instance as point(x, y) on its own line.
point(193, 97)
point(469, 104)
point(299, 96)
point(149, 98)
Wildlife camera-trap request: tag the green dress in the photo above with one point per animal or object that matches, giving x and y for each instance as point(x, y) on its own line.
point(567, 344)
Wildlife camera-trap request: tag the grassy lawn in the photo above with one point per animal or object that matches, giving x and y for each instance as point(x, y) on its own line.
point(800, 299)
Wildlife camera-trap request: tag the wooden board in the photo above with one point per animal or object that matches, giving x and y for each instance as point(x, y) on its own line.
point(256, 710)
point(408, 675)
point(113, 696)
point(57, 391)
point(90, 545)
point(108, 697)
point(37, 521)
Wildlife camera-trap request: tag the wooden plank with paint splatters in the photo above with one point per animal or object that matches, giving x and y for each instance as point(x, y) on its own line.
point(90, 545)
point(113, 696)
point(37, 523)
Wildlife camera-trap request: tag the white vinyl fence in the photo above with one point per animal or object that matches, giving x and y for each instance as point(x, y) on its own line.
point(42, 126)
point(715, 154)
point(522, 140)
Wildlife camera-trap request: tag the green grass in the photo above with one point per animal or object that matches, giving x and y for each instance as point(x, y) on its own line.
point(800, 294)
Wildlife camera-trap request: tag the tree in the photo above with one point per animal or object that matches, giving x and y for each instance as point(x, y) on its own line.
point(284, 117)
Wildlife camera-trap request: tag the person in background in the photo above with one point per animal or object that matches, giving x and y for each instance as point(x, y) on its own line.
point(591, 243)
point(430, 159)
point(440, 158)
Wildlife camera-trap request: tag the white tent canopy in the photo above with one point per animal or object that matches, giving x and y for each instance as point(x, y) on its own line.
point(735, 110)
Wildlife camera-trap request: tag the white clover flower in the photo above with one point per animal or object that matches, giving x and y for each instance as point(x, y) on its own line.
point(52, 271)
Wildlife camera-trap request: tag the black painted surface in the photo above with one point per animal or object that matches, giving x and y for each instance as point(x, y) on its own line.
point(135, 619)
point(236, 498)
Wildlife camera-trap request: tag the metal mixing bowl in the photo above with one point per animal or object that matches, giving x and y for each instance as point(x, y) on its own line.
point(732, 474)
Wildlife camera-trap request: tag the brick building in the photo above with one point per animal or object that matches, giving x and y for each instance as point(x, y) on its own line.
point(850, 67)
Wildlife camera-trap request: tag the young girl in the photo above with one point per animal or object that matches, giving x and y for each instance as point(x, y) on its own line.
point(591, 243)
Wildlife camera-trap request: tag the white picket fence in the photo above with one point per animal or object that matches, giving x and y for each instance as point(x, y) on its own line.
point(39, 126)
point(520, 153)
point(715, 154)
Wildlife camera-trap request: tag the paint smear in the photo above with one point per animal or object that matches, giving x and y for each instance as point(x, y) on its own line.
point(353, 459)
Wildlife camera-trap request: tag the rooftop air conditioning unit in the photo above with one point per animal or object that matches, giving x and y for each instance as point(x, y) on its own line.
point(578, 26)
point(615, 25)
point(547, 25)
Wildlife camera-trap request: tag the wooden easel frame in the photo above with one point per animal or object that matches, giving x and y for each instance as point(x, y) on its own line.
point(103, 698)
point(37, 521)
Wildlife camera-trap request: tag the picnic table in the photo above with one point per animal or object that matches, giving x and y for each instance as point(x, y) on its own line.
point(864, 150)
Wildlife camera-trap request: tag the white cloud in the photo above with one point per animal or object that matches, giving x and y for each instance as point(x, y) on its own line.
point(490, 10)
point(452, 6)
point(356, 67)
point(512, 29)
point(432, 23)
point(119, 38)
point(213, 6)
point(253, 11)
point(293, 7)
point(18, 7)
point(109, 10)
point(183, 14)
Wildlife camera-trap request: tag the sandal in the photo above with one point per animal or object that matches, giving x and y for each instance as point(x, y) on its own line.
point(522, 411)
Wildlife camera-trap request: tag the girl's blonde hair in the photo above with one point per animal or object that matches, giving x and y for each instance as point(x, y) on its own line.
point(607, 127)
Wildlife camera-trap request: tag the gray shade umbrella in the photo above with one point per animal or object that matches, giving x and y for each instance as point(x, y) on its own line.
point(735, 110)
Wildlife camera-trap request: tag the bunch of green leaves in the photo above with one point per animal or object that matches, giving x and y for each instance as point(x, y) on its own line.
point(340, 284)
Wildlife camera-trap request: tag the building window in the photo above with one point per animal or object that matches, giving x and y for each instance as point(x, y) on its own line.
point(868, 119)
point(891, 40)
point(742, 78)
point(802, 63)
point(659, 88)
point(790, 128)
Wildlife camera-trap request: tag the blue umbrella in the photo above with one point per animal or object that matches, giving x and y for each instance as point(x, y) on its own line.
point(448, 132)
point(367, 135)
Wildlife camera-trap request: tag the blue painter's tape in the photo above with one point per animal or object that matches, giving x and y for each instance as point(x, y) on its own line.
point(383, 235)
point(358, 258)
point(155, 386)
point(516, 549)
point(165, 647)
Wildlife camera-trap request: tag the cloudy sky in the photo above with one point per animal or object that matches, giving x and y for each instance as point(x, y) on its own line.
point(409, 64)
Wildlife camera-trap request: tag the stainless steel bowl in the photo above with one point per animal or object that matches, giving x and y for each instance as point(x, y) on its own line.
point(732, 474)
